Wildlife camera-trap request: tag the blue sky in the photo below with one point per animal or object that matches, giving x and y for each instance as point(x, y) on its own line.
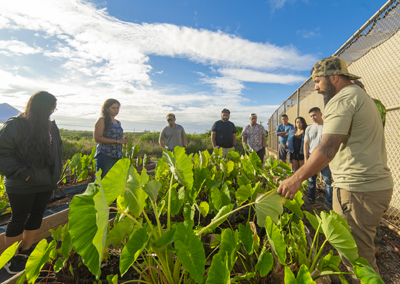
point(192, 58)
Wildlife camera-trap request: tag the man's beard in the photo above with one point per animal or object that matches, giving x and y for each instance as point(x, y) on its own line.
point(329, 93)
point(225, 119)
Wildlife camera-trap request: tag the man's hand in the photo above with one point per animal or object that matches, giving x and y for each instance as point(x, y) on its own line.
point(289, 188)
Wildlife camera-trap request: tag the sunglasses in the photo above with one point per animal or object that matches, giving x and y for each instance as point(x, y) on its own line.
point(171, 119)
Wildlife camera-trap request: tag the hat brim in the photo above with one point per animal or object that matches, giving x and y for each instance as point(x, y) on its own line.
point(323, 74)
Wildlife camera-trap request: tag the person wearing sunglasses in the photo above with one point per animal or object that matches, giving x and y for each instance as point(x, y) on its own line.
point(223, 133)
point(172, 135)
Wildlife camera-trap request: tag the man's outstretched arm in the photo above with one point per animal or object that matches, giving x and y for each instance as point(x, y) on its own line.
point(320, 158)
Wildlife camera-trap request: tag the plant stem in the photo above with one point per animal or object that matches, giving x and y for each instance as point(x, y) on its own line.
point(222, 217)
point(312, 246)
point(143, 211)
point(317, 257)
point(156, 216)
point(128, 215)
point(331, 273)
point(169, 202)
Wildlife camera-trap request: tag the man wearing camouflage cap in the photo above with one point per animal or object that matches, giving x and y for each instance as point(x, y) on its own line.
point(353, 145)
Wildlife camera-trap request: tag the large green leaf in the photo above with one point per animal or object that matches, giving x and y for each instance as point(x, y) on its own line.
point(255, 159)
point(177, 199)
point(114, 182)
point(219, 272)
point(112, 279)
point(190, 251)
point(224, 210)
point(8, 254)
point(152, 188)
point(243, 194)
point(120, 232)
point(225, 195)
point(284, 166)
point(276, 240)
point(102, 213)
point(230, 165)
point(216, 198)
point(180, 165)
point(341, 220)
point(38, 258)
point(246, 237)
point(265, 262)
point(83, 228)
point(66, 247)
point(328, 260)
point(365, 272)
point(313, 221)
point(247, 168)
point(299, 234)
point(133, 197)
point(229, 241)
point(166, 238)
point(295, 204)
point(204, 207)
point(284, 220)
point(304, 277)
point(339, 237)
point(132, 250)
point(188, 212)
point(204, 158)
point(289, 276)
point(21, 279)
point(269, 204)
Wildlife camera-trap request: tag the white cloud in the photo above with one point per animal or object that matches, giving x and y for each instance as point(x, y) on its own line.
point(225, 84)
point(247, 75)
point(277, 4)
point(308, 34)
point(15, 47)
point(93, 56)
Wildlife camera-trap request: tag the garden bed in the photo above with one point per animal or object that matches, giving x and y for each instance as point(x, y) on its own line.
point(201, 217)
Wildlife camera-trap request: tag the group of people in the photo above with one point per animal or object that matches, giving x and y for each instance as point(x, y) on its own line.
point(346, 145)
point(298, 142)
point(223, 134)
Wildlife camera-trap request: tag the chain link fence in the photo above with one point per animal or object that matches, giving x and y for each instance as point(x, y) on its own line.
point(373, 53)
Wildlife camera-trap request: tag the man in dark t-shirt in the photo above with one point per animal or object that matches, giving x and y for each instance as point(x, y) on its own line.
point(223, 133)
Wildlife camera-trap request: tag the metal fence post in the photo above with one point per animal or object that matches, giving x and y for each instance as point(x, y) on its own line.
point(298, 102)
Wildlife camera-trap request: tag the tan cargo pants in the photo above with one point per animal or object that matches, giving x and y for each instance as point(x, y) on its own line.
point(363, 211)
point(225, 151)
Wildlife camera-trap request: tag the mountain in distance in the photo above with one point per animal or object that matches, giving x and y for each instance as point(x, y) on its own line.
point(7, 111)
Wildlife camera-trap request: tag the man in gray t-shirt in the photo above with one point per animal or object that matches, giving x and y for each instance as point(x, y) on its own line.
point(172, 135)
point(312, 138)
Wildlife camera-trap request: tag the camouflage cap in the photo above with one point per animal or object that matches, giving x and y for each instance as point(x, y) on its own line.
point(332, 65)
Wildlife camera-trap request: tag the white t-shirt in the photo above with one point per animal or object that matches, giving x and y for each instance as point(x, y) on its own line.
point(314, 135)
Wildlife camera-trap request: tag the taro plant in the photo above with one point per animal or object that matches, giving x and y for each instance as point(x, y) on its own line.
point(160, 232)
point(79, 167)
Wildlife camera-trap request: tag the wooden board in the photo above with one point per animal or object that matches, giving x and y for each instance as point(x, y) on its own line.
point(49, 222)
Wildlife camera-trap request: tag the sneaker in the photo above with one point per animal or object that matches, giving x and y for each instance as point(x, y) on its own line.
point(17, 262)
point(312, 201)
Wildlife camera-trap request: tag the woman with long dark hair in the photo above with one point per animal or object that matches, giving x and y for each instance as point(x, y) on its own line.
point(108, 134)
point(30, 159)
point(295, 142)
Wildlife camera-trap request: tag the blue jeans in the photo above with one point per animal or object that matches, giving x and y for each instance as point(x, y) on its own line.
point(327, 177)
point(105, 163)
